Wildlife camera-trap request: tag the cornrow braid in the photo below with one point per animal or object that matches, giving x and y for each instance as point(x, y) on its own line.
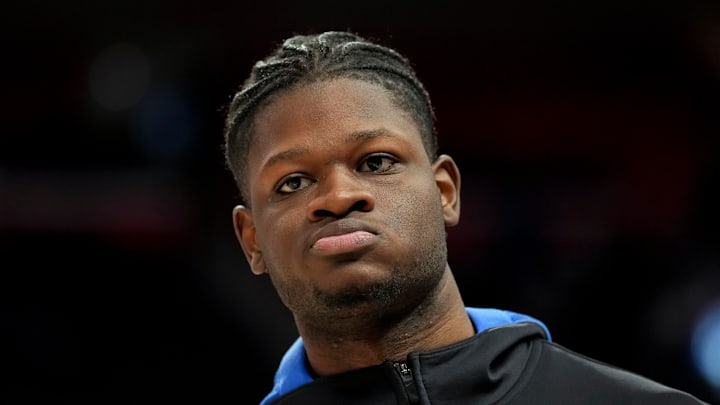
point(309, 58)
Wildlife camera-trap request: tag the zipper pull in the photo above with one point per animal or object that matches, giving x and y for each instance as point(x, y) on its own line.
point(408, 382)
point(403, 369)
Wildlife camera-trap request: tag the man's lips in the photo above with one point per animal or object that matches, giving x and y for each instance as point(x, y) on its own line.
point(343, 236)
point(344, 243)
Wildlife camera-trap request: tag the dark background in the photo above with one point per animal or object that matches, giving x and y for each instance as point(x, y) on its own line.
point(586, 134)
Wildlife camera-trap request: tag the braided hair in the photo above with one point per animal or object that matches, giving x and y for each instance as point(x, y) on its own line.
point(325, 56)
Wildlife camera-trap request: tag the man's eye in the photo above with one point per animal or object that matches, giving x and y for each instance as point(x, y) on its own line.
point(293, 184)
point(377, 164)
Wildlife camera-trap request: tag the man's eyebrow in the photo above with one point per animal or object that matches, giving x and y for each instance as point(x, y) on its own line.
point(286, 154)
point(357, 136)
point(369, 134)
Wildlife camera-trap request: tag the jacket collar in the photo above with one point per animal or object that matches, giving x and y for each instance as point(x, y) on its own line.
point(293, 373)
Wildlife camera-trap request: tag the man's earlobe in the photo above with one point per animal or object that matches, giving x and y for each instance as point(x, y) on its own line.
point(447, 178)
point(245, 233)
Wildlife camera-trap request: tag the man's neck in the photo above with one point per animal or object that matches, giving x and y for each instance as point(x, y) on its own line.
point(439, 322)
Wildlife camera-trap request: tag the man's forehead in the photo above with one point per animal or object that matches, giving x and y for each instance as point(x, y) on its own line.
point(338, 106)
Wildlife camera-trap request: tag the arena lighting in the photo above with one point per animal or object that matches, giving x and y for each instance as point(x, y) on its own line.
point(705, 345)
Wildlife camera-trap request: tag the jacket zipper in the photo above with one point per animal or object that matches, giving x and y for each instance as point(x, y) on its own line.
point(408, 381)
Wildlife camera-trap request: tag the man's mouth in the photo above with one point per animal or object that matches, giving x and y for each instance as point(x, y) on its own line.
point(344, 243)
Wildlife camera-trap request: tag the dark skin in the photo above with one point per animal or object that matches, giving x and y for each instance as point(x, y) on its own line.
point(347, 216)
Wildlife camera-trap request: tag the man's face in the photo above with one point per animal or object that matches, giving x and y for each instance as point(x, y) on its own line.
point(348, 213)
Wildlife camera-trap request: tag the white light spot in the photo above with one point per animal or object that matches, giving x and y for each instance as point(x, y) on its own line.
point(705, 346)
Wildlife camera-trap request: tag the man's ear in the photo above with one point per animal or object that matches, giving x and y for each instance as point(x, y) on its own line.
point(245, 233)
point(447, 178)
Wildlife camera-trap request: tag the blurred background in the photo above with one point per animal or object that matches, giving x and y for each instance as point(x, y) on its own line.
point(587, 135)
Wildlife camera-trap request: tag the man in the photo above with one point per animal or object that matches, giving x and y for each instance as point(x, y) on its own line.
point(345, 204)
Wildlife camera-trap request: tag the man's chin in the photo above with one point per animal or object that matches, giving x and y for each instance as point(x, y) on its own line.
point(369, 295)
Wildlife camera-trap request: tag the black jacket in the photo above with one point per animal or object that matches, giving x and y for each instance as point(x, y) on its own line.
point(510, 364)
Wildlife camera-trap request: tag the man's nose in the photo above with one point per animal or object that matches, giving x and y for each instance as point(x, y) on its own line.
point(339, 193)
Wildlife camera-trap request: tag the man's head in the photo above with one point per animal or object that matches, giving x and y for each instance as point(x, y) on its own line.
point(346, 203)
point(307, 58)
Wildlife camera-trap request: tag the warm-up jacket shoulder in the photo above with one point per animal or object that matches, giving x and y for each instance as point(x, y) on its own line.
point(511, 360)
